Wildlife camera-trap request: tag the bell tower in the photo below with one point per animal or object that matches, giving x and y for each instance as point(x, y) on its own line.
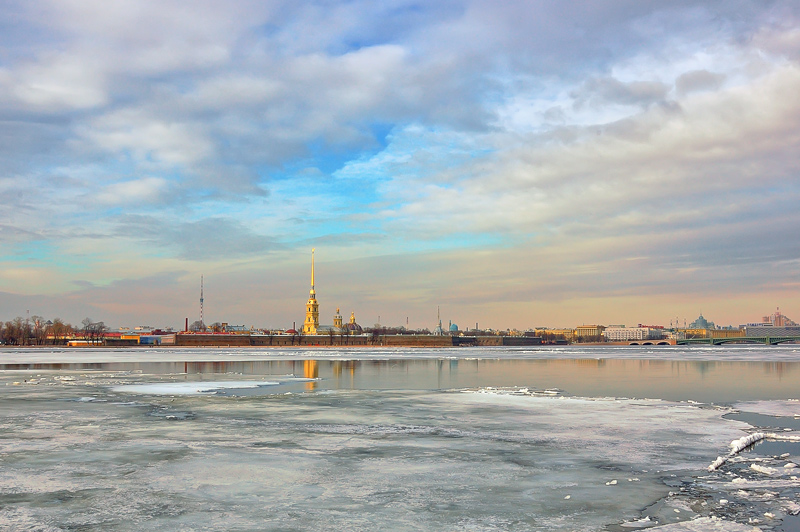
point(312, 307)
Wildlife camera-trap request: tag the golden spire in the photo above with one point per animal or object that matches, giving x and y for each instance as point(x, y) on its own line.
point(312, 269)
point(312, 307)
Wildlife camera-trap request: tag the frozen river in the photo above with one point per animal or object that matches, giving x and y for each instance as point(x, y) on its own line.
point(595, 438)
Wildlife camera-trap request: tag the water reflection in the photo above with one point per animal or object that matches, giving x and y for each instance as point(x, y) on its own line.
point(311, 371)
point(706, 381)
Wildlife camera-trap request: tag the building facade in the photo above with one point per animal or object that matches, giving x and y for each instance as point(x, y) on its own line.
point(622, 334)
point(589, 331)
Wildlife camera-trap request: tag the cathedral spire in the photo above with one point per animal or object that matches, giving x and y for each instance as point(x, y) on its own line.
point(311, 324)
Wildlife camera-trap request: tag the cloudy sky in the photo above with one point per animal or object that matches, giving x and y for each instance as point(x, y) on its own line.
point(518, 163)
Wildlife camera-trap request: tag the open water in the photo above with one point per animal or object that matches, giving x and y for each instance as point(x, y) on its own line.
point(572, 439)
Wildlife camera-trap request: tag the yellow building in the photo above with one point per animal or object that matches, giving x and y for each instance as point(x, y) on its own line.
point(696, 333)
point(568, 334)
point(588, 331)
point(727, 333)
point(311, 324)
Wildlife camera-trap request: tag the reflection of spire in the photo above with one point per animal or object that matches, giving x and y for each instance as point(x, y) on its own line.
point(311, 371)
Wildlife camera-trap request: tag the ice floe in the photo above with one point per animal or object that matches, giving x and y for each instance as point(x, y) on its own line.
point(771, 408)
point(705, 524)
point(190, 388)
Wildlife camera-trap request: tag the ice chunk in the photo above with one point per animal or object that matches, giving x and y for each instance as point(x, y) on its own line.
point(737, 446)
point(641, 523)
point(189, 388)
point(764, 470)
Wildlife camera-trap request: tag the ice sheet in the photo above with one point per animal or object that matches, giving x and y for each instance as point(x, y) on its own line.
point(368, 454)
point(636, 431)
point(748, 353)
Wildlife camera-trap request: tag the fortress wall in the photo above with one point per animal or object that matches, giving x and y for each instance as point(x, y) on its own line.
point(216, 340)
point(278, 340)
point(413, 340)
point(488, 340)
point(522, 340)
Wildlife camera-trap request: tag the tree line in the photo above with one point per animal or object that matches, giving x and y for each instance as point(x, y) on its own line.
point(36, 331)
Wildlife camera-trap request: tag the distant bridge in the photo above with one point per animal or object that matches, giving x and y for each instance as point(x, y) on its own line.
point(766, 340)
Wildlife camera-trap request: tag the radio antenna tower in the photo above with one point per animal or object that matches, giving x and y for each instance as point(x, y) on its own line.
point(202, 323)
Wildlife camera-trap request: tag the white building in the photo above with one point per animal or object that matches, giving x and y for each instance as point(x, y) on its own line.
point(621, 334)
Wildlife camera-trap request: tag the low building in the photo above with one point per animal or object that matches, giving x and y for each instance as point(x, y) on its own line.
point(771, 331)
point(726, 333)
point(567, 334)
point(623, 334)
point(696, 333)
point(589, 331)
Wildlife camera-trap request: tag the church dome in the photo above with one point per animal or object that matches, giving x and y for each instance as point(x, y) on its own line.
point(353, 327)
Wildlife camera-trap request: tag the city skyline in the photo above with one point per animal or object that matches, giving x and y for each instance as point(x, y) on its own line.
point(523, 164)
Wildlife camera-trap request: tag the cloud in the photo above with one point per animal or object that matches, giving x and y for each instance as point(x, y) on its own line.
point(205, 239)
point(59, 82)
point(147, 189)
point(9, 233)
point(149, 138)
point(602, 91)
point(698, 80)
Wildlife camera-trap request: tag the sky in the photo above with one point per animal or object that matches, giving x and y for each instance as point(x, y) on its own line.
point(515, 164)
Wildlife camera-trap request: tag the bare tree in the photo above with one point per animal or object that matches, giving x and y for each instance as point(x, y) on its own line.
point(86, 328)
point(59, 331)
point(10, 334)
point(22, 329)
point(93, 332)
point(38, 331)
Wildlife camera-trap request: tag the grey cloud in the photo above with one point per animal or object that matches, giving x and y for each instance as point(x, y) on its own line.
point(10, 233)
point(698, 80)
point(206, 239)
point(601, 91)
